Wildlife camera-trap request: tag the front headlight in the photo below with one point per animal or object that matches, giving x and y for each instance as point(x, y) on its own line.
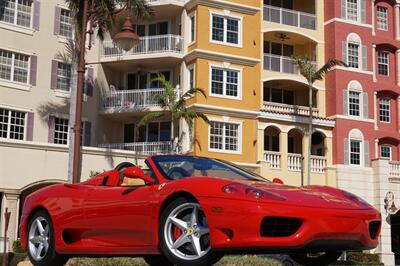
point(250, 192)
point(355, 198)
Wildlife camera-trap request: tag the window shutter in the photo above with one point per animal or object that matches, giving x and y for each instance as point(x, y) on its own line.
point(57, 16)
point(51, 124)
point(364, 57)
point(87, 133)
point(344, 9)
point(89, 83)
point(363, 11)
point(345, 102)
point(54, 68)
point(344, 51)
point(366, 153)
point(346, 152)
point(29, 126)
point(365, 105)
point(33, 70)
point(36, 15)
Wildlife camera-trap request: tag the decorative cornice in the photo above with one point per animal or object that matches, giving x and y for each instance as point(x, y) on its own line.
point(210, 55)
point(211, 109)
point(245, 9)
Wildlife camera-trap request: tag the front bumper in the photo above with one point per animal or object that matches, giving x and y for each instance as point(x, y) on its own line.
point(235, 226)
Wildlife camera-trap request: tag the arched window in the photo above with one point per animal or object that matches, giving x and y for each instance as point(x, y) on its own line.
point(355, 102)
point(354, 53)
point(356, 150)
point(354, 10)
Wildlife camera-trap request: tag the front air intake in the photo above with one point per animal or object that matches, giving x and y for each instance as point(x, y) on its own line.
point(279, 226)
point(374, 227)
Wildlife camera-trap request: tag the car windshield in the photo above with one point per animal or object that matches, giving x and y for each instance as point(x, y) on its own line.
point(178, 167)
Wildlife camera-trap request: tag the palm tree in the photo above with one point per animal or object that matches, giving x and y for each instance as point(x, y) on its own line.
point(310, 72)
point(173, 106)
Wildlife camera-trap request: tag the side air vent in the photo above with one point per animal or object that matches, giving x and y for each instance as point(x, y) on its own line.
point(279, 226)
point(374, 227)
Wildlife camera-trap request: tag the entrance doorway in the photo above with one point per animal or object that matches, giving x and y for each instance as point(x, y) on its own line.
point(395, 233)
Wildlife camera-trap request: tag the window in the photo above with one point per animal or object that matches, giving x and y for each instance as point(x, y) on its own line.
point(65, 23)
point(352, 10)
point(383, 63)
point(225, 82)
point(382, 18)
point(17, 12)
point(192, 27)
point(354, 103)
point(386, 152)
point(63, 76)
point(191, 76)
point(61, 131)
point(224, 136)
point(355, 152)
point(12, 124)
point(14, 66)
point(225, 29)
point(154, 132)
point(353, 55)
point(278, 95)
point(384, 110)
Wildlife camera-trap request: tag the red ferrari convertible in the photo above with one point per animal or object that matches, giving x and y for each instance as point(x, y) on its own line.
point(191, 211)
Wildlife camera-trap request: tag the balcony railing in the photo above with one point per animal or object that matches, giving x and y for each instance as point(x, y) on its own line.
point(394, 169)
point(318, 164)
point(147, 45)
point(273, 158)
point(130, 99)
point(289, 17)
point(279, 63)
point(294, 162)
point(288, 108)
point(161, 147)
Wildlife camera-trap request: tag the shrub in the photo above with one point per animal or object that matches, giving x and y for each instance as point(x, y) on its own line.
point(17, 248)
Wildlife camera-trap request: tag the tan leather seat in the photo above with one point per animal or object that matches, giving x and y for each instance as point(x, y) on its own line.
point(127, 182)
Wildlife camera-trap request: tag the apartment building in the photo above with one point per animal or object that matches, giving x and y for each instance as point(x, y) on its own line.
point(364, 100)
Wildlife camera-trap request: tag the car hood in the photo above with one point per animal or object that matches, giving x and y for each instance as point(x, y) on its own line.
point(310, 196)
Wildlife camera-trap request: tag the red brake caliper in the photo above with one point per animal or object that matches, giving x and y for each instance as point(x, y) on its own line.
point(177, 232)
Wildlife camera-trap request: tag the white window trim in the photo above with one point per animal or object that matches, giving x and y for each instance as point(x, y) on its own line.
point(194, 16)
point(225, 68)
point(361, 152)
point(390, 152)
point(361, 104)
point(25, 85)
point(62, 38)
point(388, 63)
point(358, 12)
point(9, 121)
point(359, 51)
point(226, 14)
point(228, 121)
point(387, 19)
point(22, 28)
point(390, 115)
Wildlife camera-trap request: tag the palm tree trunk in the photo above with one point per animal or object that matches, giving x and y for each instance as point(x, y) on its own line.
point(173, 148)
point(310, 129)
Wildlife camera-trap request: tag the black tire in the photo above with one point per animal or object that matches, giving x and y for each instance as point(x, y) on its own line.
point(51, 257)
point(323, 259)
point(157, 260)
point(210, 258)
point(123, 165)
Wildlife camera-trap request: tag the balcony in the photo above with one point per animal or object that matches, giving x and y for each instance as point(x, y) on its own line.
point(394, 169)
point(282, 64)
point(273, 158)
point(147, 148)
point(289, 109)
point(148, 46)
point(130, 100)
point(289, 17)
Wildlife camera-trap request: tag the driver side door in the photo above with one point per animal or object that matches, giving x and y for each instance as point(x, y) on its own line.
point(121, 218)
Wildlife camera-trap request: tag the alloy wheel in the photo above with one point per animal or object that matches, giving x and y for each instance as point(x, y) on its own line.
point(38, 238)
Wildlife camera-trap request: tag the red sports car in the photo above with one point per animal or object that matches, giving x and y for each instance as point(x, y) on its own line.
point(191, 211)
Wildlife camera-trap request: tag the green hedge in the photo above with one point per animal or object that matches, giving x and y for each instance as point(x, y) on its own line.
point(13, 258)
point(364, 258)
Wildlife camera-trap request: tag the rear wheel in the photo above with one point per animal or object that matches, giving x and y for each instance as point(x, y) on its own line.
point(316, 259)
point(184, 234)
point(41, 243)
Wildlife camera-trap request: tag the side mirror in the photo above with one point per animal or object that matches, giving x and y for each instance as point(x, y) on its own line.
point(136, 172)
point(277, 181)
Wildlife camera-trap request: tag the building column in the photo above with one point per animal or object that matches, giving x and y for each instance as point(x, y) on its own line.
point(373, 16)
point(375, 110)
point(260, 141)
point(305, 156)
point(373, 61)
point(397, 20)
point(376, 149)
point(381, 183)
point(283, 149)
point(398, 66)
point(10, 201)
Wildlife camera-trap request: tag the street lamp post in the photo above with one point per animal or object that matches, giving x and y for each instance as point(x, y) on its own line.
point(126, 39)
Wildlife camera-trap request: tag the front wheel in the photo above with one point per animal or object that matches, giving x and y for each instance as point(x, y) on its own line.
point(184, 234)
point(41, 242)
point(316, 259)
